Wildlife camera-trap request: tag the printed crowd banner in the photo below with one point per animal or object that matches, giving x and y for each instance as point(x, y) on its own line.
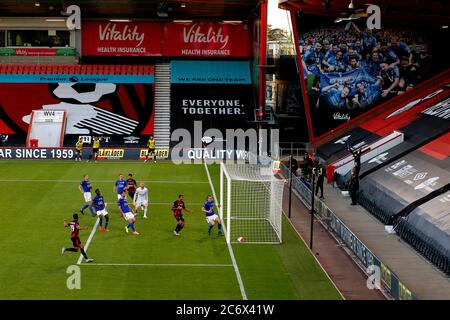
point(350, 70)
point(107, 38)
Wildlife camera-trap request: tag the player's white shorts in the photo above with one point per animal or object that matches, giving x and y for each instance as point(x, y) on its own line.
point(214, 217)
point(140, 203)
point(119, 196)
point(87, 196)
point(128, 215)
point(102, 212)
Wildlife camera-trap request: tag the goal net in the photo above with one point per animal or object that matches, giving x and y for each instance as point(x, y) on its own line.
point(251, 203)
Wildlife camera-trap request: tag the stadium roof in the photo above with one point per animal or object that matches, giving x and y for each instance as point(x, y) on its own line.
point(137, 9)
point(425, 12)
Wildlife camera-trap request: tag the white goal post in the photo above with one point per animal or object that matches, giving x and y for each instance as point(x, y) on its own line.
point(251, 203)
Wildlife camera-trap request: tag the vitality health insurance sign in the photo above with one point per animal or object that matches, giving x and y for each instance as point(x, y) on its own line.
point(206, 39)
point(107, 38)
point(189, 39)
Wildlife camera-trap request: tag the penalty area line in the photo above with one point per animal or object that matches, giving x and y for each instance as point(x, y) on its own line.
point(89, 240)
point(230, 248)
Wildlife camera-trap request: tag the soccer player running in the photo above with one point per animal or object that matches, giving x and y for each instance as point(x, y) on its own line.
point(74, 237)
point(126, 212)
point(211, 216)
point(131, 186)
point(100, 207)
point(141, 199)
point(79, 149)
point(177, 210)
point(95, 149)
point(151, 149)
point(85, 189)
point(120, 186)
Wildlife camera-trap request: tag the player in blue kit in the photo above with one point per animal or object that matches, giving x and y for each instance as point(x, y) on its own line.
point(126, 212)
point(100, 207)
point(85, 189)
point(211, 216)
point(120, 186)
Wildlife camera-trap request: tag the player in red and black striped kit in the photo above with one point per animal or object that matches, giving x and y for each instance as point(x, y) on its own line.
point(177, 211)
point(131, 186)
point(76, 242)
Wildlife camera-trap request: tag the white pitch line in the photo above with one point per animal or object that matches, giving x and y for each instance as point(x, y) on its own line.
point(100, 181)
point(157, 265)
point(230, 249)
point(80, 259)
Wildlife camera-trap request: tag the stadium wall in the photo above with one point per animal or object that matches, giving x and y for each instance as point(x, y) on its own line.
point(117, 105)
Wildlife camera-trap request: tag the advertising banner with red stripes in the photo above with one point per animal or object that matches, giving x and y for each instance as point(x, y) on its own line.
point(175, 39)
point(206, 39)
point(106, 38)
point(101, 109)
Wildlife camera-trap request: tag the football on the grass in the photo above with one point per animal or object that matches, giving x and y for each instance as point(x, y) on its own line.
point(240, 239)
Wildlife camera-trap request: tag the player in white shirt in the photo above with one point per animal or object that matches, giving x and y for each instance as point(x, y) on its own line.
point(141, 199)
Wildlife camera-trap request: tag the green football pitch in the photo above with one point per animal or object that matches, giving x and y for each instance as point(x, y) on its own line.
point(39, 195)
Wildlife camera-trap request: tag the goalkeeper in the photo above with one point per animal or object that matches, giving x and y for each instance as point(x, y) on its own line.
point(211, 216)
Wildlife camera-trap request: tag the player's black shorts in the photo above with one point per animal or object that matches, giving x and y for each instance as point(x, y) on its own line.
point(131, 194)
point(78, 151)
point(95, 150)
point(179, 218)
point(151, 151)
point(76, 242)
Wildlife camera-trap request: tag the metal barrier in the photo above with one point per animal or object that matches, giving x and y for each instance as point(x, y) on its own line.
point(389, 281)
point(296, 149)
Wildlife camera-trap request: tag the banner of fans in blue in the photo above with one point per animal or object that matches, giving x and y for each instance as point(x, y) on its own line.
point(349, 71)
point(359, 84)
